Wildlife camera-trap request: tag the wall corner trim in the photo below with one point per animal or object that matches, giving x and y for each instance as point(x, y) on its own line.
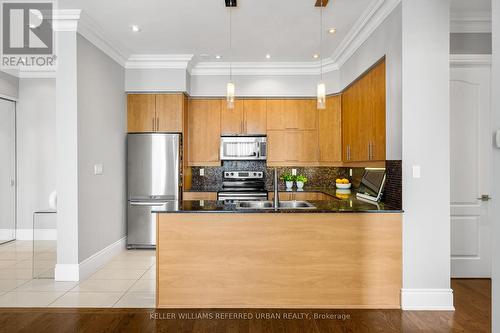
point(90, 265)
point(427, 299)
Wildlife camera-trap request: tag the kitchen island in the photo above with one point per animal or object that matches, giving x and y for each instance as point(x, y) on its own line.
point(341, 254)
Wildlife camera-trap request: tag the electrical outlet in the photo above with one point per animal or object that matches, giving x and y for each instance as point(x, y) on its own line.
point(294, 172)
point(416, 171)
point(98, 169)
point(350, 172)
point(202, 172)
point(202, 203)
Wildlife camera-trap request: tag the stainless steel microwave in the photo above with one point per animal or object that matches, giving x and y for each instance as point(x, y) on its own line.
point(243, 148)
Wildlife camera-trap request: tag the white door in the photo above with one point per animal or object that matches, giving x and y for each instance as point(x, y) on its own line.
point(471, 147)
point(7, 170)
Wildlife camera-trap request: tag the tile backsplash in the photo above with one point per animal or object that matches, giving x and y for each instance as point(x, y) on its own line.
point(323, 177)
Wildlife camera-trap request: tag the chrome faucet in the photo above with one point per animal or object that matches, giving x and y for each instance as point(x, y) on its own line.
point(276, 191)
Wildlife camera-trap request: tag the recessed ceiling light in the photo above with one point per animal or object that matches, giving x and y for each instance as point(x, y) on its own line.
point(332, 31)
point(268, 56)
point(218, 57)
point(316, 56)
point(135, 28)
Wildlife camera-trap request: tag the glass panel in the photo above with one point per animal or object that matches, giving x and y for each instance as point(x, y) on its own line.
point(44, 251)
point(7, 171)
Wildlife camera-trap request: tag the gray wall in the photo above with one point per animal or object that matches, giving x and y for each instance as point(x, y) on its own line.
point(385, 40)
point(470, 43)
point(36, 149)
point(141, 80)
point(9, 85)
point(101, 140)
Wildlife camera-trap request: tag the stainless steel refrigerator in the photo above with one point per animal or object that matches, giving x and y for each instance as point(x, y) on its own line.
point(153, 182)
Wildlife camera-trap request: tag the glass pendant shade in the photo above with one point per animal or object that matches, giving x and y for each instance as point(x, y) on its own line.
point(321, 95)
point(230, 95)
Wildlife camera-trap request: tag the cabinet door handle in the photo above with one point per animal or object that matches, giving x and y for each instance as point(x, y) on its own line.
point(154, 124)
point(157, 123)
point(369, 151)
point(348, 153)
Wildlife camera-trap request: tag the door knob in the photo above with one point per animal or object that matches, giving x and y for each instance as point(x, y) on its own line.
point(485, 197)
point(12, 183)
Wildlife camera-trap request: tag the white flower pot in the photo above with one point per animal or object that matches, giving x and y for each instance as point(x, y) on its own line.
point(289, 185)
point(300, 185)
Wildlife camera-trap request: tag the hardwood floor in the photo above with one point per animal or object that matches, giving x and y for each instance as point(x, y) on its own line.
point(472, 303)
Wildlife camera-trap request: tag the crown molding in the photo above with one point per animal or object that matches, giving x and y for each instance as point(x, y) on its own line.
point(466, 60)
point(159, 61)
point(89, 29)
point(369, 21)
point(66, 19)
point(476, 22)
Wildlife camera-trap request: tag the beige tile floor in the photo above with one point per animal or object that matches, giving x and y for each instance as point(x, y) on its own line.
point(127, 281)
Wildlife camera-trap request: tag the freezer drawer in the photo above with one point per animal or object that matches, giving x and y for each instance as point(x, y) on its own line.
point(141, 223)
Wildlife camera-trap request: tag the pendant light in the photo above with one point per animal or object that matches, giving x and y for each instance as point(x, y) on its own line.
point(321, 89)
point(230, 89)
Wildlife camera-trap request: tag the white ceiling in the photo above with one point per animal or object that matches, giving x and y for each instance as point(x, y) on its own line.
point(286, 29)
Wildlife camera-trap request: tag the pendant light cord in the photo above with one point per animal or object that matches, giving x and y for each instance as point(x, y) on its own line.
point(321, 40)
point(230, 44)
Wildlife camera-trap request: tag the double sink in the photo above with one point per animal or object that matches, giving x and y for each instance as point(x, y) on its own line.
point(269, 205)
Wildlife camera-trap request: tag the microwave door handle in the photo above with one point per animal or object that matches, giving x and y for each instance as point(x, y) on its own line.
point(258, 150)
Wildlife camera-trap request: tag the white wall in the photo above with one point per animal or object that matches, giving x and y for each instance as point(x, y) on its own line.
point(8, 85)
point(67, 157)
point(257, 86)
point(36, 151)
point(146, 80)
point(496, 164)
point(426, 116)
point(101, 140)
point(385, 40)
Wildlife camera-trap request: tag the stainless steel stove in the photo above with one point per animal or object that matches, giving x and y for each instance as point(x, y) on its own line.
point(243, 186)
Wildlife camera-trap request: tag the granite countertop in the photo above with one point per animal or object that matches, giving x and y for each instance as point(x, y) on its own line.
point(347, 204)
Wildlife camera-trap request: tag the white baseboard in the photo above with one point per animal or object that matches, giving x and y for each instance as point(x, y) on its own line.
point(427, 299)
point(40, 234)
point(66, 272)
point(90, 265)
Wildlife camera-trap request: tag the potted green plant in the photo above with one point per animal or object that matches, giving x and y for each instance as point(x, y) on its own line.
point(288, 178)
point(300, 180)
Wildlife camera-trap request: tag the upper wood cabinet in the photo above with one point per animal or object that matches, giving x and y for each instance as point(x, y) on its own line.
point(141, 112)
point(247, 117)
point(255, 116)
point(330, 131)
point(155, 112)
point(291, 114)
point(364, 117)
point(292, 148)
point(169, 113)
point(232, 120)
point(204, 130)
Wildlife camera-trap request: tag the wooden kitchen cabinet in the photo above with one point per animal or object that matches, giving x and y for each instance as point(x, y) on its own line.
point(199, 196)
point(255, 116)
point(364, 117)
point(155, 113)
point(330, 131)
point(291, 114)
point(248, 118)
point(292, 148)
point(232, 120)
point(169, 112)
point(204, 130)
point(141, 113)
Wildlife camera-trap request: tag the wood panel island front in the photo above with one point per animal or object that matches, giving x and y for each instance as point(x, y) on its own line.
point(212, 256)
